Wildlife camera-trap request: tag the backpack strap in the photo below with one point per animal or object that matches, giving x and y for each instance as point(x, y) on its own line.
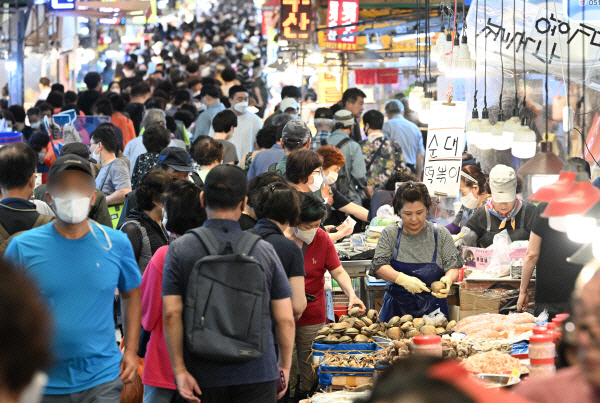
point(208, 241)
point(343, 142)
point(41, 220)
point(247, 242)
point(376, 154)
point(4, 235)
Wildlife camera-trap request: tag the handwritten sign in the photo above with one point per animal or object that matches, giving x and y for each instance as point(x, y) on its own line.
point(443, 154)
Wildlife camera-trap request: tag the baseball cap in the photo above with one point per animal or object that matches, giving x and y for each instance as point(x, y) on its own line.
point(345, 117)
point(295, 133)
point(249, 57)
point(70, 162)
point(210, 90)
point(79, 149)
point(227, 183)
point(288, 103)
point(176, 158)
point(323, 113)
point(503, 183)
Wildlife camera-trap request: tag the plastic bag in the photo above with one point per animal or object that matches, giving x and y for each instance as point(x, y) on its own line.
point(387, 212)
point(500, 262)
point(435, 318)
point(542, 319)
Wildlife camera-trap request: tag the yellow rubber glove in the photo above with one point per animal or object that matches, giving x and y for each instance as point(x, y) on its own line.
point(412, 284)
point(444, 292)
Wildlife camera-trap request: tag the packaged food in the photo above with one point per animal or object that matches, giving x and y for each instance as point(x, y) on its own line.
point(541, 347)
point(428, 345)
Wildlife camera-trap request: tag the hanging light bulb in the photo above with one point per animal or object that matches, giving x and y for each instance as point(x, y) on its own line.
point(437, 50)
point(415, 98)
point(498, 140)
point(524, 143)
point(511, 126)
point(484, 131)
point(445, 59)
point(471, 128)
point(425, 112)
point(462, 66)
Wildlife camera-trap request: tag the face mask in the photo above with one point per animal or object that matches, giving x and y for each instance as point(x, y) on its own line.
point(331, 178)
point(96, 157)
point(36, 126)
point(469, 201)
point(306, 236)
point(317, 182)
point(72, 208)
point(241, 107)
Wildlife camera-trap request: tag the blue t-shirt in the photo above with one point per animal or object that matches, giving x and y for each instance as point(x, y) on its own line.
point(78, 278)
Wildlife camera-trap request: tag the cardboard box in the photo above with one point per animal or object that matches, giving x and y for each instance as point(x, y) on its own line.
point(475, 302)
point(477, 258)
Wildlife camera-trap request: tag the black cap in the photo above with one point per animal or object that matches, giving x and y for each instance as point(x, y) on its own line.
point(323, 113)
point(226, 182)
point(70, 162)
point(295, 133)
point(210, 90)
point(78, 149)
point(176, 158)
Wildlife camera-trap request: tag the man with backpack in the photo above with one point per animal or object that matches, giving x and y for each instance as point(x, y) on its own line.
point(295, 136)
point(221, 290)
point(352, 179)
point(17, 181)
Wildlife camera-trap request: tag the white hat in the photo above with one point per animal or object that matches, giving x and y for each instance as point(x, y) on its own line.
point(288, 103)
point(503, 183)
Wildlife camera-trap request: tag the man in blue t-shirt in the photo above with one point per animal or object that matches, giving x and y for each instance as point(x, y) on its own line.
point(199, 378)
point(78, 264)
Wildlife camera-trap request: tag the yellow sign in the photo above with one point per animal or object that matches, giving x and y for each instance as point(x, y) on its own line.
point(329, 88)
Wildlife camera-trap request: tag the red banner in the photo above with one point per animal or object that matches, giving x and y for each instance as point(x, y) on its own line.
point(342, 12)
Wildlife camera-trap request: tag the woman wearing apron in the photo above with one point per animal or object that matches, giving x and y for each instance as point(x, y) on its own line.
point(412, 255)
point(504, 211)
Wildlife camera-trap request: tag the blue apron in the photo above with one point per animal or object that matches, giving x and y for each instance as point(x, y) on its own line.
point(399, 302)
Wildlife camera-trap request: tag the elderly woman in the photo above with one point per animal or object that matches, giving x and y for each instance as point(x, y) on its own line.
point(412, 255)
point(473, 190)
point(504, 211)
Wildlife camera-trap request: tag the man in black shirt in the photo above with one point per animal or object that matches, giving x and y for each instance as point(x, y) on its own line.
point(17, 180)
point(548, 250)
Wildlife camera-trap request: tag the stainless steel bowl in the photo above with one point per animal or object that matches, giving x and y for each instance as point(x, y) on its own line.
point(498, 381)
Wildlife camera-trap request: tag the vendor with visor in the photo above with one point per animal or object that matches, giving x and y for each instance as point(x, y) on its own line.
point(412, 255)
point(504, 211)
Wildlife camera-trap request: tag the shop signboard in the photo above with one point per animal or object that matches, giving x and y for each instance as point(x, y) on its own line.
point(444, 148)
point(573, 41)
point(342, 12)
point(329, 88)
point(296, 19)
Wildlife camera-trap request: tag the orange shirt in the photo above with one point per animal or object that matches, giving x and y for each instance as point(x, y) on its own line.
point(126, 126)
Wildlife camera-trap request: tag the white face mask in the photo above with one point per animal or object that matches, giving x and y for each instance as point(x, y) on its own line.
point(242, 107)
point(306, 236)
point(469, 201)
point(72, 208)
point(96, 157)
point(36, 125)
point(317, 182)
point(331, 177)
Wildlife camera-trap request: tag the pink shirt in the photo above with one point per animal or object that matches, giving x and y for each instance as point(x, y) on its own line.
point(568, 385)
point(157, 368)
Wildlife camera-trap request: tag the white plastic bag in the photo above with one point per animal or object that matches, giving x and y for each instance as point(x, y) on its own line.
point(435, 318)
point(500, 262)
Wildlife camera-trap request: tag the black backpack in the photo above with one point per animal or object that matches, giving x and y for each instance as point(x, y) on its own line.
point(227, 309)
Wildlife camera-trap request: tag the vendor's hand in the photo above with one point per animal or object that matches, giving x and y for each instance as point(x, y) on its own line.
point(523, 302)
point(328, 228)
point(411, 284)
point(448, 281)
point(442, 294)
point(355, 301)
point(344, 229)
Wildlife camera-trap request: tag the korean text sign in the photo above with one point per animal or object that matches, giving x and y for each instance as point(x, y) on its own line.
point(296, 19)
point(342, 12)
point(444, 148)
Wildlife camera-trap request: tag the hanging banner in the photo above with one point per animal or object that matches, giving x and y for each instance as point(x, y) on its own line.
point(296, 18)
point(342, 12)
point(569, 42)
point(444, 148)
point(329, 88)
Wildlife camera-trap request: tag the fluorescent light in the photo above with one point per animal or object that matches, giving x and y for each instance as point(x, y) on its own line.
point(408, 37)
